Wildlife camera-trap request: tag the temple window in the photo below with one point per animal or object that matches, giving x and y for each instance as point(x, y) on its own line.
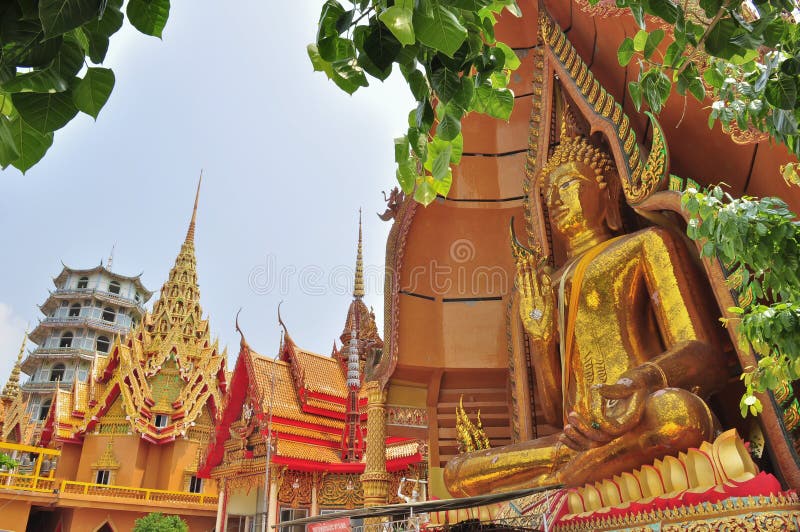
point(43, 410)
point(114, 287)
point(66, 339)
point(103, 344)
point(195, 484)
point(57, 373)
point(75, 310)
point(102, 476)
point(83, 282)
point(289, 514)
point(109, 314)
point(161, 421)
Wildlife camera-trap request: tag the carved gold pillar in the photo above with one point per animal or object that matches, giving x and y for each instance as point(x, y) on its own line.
point(222, 507)
point(315, 482)
point(375, 479)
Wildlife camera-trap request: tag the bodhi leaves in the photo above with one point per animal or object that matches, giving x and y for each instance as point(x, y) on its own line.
point(759, 242)
point(448, 55)
point(744, 54)
point(45, 76)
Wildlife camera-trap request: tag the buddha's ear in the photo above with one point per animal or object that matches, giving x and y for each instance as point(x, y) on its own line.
point(613, 211)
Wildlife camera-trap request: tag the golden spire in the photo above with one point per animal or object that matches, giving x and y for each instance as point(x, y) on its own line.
point(190, 231)
point(358, 286)
point(12, 386)
point(178, 306)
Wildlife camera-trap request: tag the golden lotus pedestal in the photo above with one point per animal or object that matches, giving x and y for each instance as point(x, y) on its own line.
point(714, 487)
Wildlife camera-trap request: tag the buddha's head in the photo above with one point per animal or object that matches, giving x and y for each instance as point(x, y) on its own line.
point(580, 193)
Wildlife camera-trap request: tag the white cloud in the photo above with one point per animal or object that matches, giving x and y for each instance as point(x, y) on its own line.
point(12, 327)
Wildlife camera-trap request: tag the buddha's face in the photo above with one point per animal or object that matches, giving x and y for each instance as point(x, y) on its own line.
point(575, 200)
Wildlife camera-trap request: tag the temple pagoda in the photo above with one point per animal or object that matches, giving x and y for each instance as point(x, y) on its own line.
point(15, 423)
point(305, 415)
point(82, 317)
point(131, 429)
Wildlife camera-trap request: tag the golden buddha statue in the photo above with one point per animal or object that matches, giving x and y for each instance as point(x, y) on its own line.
point(623, 347)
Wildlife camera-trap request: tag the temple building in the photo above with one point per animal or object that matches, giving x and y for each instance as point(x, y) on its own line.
point(82, 317)
point(461, 284)
point(126, 438)
point(305, 415)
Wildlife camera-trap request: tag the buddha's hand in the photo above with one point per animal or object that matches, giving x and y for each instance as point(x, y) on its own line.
point(615, 409)
point(537, 301)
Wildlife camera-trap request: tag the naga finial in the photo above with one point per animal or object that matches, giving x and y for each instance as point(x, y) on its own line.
point(471, 436)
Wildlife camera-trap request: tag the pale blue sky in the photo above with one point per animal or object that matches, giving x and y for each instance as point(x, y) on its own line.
point(287, 157)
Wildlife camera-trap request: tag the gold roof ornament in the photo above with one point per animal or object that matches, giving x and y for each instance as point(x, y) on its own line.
point(471, 436)
point(358, 285)
point(360, 318)
point(168, 362)
point(11, 388)
point(640, 175)
point(107, 460)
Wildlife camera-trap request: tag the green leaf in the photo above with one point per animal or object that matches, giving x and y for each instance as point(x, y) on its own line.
point(782, 93)
point(446, 83)
point(425, 193)
point(625, 52)
point(442, 186)
point(636, 94)
point(401, 149)
point(406, 175)
point(70, 58)
point(60, 16)
point(148, 16)
point(399, 21)
point(36, 81)
point(665, 9)
point(719, 39)
point(418, 85)
point(471, 5)
point(512, 62)
point(381, 46)
point(463, 98)
point(31, 144)
point(653, 40)
point(345, 20)
point(497, 103)
point(697, 89)
point(335, 48)
point(331, 12)
point(640, 40)
point(8, 148)
point(418, 141)
point(45, 112)
point(791, 67)
point(348, 77)
point(710, 7)
point(440, 29)
point(458, 149)
point(438, 162)
point(345, 76)
point(99, 30)
point(6, 105)
point(673, 54)
point(424, 115)
point(713, 77)
point(92, 92)
point(449, 128)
